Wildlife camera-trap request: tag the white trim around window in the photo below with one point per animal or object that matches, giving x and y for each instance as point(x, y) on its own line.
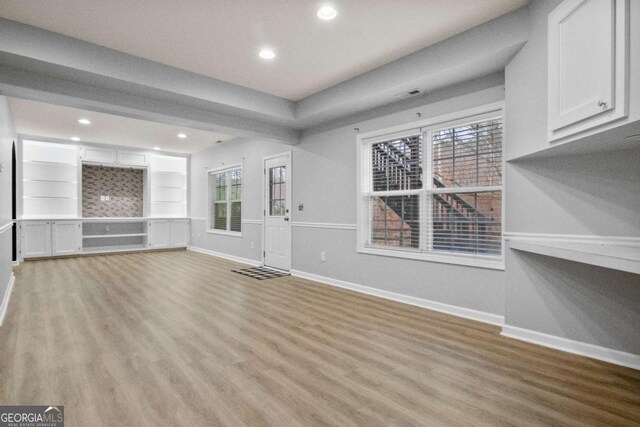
point(423, 199)
point(226, 199)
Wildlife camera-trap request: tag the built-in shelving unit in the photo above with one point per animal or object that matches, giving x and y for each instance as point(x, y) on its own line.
point(106, 235)
point(51, 220)
point(621, 254)
point(168, 182)
point(49, 180)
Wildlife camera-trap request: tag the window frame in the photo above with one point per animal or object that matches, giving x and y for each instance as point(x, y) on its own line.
point(423, 127)
point(210, 198)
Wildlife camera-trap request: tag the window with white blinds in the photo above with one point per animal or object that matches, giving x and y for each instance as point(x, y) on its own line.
point(225, 200)
point(435, 190)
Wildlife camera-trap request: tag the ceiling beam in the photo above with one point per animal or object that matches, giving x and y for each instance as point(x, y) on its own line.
point(49, 67)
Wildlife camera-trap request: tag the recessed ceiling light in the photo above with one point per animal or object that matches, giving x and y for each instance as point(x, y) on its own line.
point(84, 122)
point(75, 138)
point(156, 148)
point(267, 54)
point(182, 135)
point(327, 13)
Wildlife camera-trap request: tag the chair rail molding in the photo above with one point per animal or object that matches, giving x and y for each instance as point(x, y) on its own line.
point(330, 225)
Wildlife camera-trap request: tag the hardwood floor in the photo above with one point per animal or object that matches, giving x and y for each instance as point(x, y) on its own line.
point(175, 338)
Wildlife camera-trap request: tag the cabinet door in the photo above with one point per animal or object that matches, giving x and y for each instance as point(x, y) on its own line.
point(99, 155)
point(180, 232)
point(131, 158)
point(66, 237)
point(36, 239)
point(583, 60)
point(159, 233)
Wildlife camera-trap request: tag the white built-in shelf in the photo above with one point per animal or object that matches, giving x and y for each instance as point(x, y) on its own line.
point(613, 139)
point(102, 236)
point(46, 162)
point(617, 255)
point(118, 248)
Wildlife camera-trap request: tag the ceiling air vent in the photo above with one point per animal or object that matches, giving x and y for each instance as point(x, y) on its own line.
point(412, 92)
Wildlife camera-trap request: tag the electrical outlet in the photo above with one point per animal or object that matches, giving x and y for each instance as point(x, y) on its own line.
point(323, 256)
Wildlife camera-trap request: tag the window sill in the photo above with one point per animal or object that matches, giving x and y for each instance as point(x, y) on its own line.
point(225, 233)
point(492, 263)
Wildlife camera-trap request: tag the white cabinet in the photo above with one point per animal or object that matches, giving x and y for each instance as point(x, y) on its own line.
point(131, 158)
point(588, 65)
point(105, 155)
point(168, 233)
point(159, 233)
point(35, 239)
point(66, 237)
point(99, 155)
point(180, 232)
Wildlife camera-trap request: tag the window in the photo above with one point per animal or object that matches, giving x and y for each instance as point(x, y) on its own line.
point(225, 200)
point(434, 192)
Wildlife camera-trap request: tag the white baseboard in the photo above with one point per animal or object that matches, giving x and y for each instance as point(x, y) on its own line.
point(617, 357)
point(225, 256)
point(467, 313)
point(16, 263)
point(6, 297)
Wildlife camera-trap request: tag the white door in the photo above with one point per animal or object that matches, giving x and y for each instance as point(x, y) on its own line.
point(36, 239)
point(159, 233)
point(66, 237)
point(277, 223)
point(180, 232)
point(581, 61)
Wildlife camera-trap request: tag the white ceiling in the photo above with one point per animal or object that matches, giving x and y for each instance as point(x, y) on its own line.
point(54, 121)
point(221, 38)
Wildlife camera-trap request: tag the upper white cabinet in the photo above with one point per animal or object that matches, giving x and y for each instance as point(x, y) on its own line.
point(98, 155)
point(105, 156)
point(66, 237)
point(132, 158)
point(588, 65)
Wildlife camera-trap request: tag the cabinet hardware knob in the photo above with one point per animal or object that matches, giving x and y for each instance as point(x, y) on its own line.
point(602, 104)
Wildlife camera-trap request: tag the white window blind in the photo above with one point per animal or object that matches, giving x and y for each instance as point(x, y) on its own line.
point(225, 200)
point(436, 190)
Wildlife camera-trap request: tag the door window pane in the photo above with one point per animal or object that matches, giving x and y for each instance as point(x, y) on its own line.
point(277, 191)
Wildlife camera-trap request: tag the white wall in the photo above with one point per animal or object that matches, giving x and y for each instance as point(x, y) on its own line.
point(7, 136)
point(324, 179)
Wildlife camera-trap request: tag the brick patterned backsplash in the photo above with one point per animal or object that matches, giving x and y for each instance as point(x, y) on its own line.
point(123, 187)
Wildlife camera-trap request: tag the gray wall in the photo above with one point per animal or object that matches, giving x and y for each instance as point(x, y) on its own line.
point(591, 194)
point(324, 179)
point(7, 136)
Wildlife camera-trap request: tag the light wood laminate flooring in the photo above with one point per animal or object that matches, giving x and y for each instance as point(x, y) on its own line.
point(175, 338)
